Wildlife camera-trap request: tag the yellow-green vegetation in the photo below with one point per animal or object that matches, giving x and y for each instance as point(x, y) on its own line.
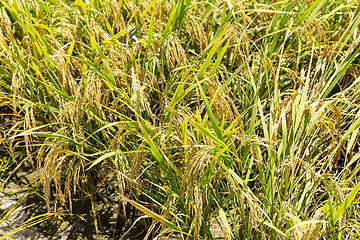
point(242, 114)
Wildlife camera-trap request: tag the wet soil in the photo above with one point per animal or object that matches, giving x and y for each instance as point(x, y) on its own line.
point(112, 223)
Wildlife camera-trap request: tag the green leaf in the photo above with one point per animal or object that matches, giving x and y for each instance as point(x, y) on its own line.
point(346, 203)
point(151, 27)
point(152, 214)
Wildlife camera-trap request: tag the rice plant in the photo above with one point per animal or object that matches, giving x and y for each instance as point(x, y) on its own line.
point(215, 119)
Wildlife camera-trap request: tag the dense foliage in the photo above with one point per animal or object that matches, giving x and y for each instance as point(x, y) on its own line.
point(240, 114)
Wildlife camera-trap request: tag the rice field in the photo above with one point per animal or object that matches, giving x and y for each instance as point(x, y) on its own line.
point(239, 116)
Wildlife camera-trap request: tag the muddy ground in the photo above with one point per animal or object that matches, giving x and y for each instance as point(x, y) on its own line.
point(112, 223)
